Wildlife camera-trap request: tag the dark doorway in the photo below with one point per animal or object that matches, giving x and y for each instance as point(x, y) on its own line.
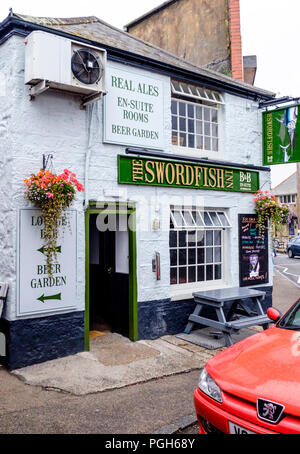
point(109, 276)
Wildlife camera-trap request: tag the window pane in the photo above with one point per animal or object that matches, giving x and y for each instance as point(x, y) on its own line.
point(209, 255)
point(191, 110)
point(215, 218)
point(182, 140)
point(191, 126)
point(185, 88)
point(199, 125)
point(217, 237)
point(182, 275)
point(176, 85)
point(174, 123)
point(192, 238)
point(191, 256)
point(200, 237)
point(209, 272)
point(223, 219)
point(217, 254)
point(218, 272)
point(207, 128)
point(174, 105)
point(191, 141)
point(182, 109)
point(214, 115)
point(192, 273)
point(214, 130)
point(173, 276)
point(182, 124)
point(178, 219)
point(207, 220)
point(197, 218)
point(199, 113)
point(200, 255)
point(174, 138)
point(173, 257)
point(199, 142)
point(182, 238)
point(206, 114)
point(200, 276)
point(214, 144)
point(182, 256)
point(209, 237)
point(173, 238)
point(188, 219)
point(207, 143)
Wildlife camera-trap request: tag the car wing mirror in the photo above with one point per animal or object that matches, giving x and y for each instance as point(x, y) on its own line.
point(273, 314)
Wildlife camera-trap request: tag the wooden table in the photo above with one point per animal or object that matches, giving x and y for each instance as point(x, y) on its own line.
point(215, 299)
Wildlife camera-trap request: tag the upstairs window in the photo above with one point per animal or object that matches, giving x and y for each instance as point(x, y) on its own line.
point(195, 117)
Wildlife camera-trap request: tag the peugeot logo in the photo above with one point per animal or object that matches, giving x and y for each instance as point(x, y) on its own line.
point(269, 411)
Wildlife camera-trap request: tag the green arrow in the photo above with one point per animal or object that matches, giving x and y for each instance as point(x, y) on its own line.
point(44, 249)
point(51, 297)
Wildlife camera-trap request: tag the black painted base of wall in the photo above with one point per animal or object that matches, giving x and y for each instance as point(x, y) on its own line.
point(159, 318)
point(36, 340)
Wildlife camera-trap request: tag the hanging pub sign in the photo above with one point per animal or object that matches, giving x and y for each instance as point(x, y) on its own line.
point(281, 136)
point(253, 252)
point(157, 172)
point(133, 109)
point(39, 292)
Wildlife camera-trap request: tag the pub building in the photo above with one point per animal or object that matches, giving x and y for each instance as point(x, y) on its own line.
point(170, 156)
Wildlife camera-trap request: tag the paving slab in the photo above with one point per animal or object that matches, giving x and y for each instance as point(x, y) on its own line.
point(113, 362)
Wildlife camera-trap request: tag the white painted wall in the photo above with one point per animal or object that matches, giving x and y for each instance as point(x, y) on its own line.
point(54, 123)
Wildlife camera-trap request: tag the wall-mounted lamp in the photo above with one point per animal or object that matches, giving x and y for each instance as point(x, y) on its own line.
point(46, 160)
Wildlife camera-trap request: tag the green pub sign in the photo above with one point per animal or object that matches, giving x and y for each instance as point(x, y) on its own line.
point(157, 172)
point(281, 134)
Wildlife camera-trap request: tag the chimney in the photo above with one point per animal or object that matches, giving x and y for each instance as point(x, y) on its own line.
point(236, 39)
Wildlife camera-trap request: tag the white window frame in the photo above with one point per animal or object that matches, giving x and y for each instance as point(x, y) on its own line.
point(206, 98)
point(185, 290)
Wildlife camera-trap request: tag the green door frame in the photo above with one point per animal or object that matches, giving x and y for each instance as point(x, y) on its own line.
point(116, 208)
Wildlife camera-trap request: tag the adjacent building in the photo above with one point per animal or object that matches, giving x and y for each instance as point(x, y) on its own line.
point(170, 155)
point(207, 33)
point(286, 193)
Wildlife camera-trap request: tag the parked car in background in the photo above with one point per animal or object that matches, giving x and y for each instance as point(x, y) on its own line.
point(293, 247)
point(253, 386)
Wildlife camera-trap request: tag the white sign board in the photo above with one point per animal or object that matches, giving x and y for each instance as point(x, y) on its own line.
point(37, 291)
point(133, 109)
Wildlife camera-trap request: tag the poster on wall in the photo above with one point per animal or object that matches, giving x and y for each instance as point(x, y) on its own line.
point(281, 136)
point(39, 292)
point(133, 109)
point(253, 252)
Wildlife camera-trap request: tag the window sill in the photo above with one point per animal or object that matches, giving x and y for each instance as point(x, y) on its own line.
point(186, 294)
point(194, 153)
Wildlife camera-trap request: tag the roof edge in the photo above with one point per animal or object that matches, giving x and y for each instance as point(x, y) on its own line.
point(15, 25)
point(150, 13)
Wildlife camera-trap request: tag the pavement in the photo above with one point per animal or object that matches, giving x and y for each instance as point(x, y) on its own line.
point(114, 362)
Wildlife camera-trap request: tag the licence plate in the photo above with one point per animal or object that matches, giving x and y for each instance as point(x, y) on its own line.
point(238, 430)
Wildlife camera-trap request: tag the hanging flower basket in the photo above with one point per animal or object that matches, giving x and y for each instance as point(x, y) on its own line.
point(52, 194)
point(268, 208)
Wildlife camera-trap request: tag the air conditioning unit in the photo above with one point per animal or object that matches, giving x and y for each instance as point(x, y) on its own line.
point(52, 61)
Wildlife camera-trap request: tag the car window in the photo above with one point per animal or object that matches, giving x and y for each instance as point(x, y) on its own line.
point(292, 319)
point(297, 241)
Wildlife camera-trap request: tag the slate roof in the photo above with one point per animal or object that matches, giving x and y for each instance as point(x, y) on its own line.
point(98, 31)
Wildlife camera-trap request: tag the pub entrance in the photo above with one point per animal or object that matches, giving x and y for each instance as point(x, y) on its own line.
point(111, 274)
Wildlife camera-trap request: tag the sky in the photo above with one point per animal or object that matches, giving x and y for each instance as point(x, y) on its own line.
point(269, 31)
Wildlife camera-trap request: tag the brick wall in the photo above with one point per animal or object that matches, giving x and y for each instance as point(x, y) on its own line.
point(236, 39)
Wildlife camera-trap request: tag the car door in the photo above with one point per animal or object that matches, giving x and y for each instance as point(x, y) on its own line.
point(296, 247)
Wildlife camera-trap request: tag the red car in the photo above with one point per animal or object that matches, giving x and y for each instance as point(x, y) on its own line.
point(254, 385)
